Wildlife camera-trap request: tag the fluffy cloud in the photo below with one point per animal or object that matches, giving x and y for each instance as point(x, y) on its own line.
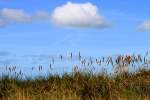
point(78, 15)
point(145, 26)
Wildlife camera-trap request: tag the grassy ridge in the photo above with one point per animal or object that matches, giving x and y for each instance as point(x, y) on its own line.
point(78, 86)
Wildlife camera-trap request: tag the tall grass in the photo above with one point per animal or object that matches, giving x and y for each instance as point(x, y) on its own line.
point(83, 84)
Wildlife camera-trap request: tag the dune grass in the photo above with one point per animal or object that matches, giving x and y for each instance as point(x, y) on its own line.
point(78, 86)
point(84, 84)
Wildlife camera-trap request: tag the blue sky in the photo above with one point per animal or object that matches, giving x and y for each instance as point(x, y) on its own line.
point(43, 37)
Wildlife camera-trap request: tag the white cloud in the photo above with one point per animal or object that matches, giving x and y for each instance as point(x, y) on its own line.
point(78, 15)
point(15, 15)
point(145, 26)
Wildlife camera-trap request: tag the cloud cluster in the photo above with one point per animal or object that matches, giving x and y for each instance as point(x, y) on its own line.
point(78, 15)
point(144, 27)
point(68, 15)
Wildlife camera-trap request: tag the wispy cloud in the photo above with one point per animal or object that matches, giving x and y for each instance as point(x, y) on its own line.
point(4, 53)
point(8, 16)
point(41, 15)
point(6, 58)
point(145, 26)
point(15, 15)
point(3, 22)
point(78, 15)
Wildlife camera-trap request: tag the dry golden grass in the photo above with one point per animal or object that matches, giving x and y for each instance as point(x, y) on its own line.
point(84, 85)
point(79, 86)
